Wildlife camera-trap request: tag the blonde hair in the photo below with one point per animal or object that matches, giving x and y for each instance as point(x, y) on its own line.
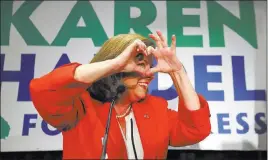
point(105, 89)
point(116, 45)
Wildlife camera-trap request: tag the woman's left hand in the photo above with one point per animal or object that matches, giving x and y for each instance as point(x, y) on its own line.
point(166, 58)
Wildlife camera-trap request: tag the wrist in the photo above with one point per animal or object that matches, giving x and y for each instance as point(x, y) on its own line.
point(115, 65)
point(180, 71)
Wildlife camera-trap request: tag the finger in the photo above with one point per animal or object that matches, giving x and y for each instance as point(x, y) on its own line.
point(131, 47)
point(153, 70)
point(162, 38)
point(141, 47)
point(173, 42)
point(140, 70)
point(157, 40)
point(150, 50)
point(153, 52)
point(148, 74)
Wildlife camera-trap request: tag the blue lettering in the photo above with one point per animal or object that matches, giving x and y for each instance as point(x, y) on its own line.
point(222, 123)
point(202, 77)
point(261, 123)
point(23, 76)
point(243, 123)
point(27, 124)
point(64, 59)
point(47, 131)
point(240, 91)
point(167, 94)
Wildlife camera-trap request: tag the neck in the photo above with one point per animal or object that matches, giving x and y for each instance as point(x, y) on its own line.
point(122, 105)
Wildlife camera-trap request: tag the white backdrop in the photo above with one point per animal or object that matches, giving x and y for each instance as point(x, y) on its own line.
point(31, 47)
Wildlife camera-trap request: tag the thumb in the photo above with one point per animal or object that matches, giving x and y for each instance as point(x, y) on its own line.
point(151, 71)
point(139, 70)
point(136, 46)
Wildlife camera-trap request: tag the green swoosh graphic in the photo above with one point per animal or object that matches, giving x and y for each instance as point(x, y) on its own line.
point(5, 128)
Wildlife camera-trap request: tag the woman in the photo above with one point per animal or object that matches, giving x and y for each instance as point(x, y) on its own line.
point(76, 98)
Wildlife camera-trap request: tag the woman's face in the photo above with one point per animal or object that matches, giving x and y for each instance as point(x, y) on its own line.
point(137, 86)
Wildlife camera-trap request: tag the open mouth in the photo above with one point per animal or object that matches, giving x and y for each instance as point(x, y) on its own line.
point(143, 85)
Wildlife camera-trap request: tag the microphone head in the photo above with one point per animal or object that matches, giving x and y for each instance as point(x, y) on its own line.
point(120, 89)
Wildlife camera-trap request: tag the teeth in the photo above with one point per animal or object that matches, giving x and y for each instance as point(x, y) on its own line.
point(143, 84)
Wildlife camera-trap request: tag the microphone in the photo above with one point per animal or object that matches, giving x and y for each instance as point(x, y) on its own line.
point(119, 90)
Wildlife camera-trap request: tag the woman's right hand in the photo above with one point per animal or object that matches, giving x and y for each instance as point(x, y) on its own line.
point(126, 60)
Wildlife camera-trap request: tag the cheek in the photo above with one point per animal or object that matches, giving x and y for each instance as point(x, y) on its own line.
point(130, 82)
point(136, 93)
point(140, 92)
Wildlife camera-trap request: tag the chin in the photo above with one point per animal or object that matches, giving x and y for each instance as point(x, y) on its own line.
point(138, 95)
point(141, 96)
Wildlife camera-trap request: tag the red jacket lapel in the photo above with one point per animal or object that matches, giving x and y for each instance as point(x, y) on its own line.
point(115, 144)
point(145, 119)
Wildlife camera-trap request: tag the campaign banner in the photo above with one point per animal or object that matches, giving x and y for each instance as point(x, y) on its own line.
point(222, 45)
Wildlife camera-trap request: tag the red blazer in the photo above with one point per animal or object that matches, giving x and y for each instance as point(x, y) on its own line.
point(65, 104)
